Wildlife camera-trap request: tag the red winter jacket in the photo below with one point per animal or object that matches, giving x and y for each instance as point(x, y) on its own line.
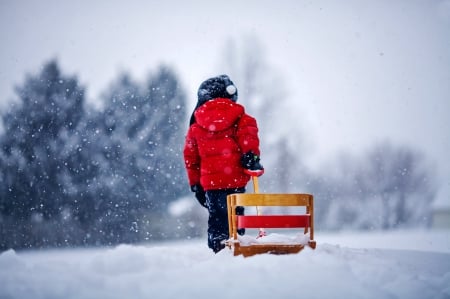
point(215, 142)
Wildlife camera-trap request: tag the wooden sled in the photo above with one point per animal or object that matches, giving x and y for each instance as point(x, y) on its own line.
point(235, 222)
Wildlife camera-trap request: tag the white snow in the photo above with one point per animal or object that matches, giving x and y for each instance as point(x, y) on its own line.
point(401, 264)
point(274, 238)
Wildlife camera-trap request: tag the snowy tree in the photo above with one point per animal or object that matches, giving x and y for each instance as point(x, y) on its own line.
point(141, 165)
point(167, 127)
point(387, 187)
point(402, 181)
point(50, 108)
point(117, 143)
point(36, 127)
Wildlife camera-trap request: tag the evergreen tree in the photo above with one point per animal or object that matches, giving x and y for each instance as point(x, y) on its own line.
point(116, 142)
point(36, 128)
point(141, 143)
point(167, 126)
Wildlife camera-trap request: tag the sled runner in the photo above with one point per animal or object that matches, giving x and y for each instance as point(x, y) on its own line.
point(248, 246)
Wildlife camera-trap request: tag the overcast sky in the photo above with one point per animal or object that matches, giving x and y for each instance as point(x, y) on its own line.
point(356, 72)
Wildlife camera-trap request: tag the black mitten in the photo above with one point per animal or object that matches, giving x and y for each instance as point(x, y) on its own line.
point(199, 194)
point(250, 162)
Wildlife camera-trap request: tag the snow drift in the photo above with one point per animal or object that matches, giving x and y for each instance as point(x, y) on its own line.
point(190, 270)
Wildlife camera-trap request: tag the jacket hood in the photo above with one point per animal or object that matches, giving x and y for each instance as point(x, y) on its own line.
point(218, 114)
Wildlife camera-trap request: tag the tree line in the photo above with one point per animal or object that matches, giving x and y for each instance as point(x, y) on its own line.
point(72, 175)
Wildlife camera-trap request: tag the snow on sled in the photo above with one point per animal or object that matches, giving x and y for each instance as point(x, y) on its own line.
point(270, 243)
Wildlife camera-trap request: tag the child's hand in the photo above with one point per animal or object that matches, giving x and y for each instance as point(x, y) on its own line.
point(250, 162)
point(199, 194)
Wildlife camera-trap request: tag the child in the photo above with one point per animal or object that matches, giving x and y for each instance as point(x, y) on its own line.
point(221, 152)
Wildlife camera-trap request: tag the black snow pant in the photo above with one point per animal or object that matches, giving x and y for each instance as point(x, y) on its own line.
point(216, 200)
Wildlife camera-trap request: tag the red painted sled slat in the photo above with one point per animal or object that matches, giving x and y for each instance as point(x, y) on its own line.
point(273, 221)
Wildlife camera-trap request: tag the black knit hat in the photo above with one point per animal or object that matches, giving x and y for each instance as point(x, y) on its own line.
point(216, 87)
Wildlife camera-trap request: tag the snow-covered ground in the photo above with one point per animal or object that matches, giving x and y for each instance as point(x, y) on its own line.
point(400, 264)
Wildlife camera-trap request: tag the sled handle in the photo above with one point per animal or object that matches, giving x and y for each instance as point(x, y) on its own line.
point(262, 232)
point(255, 184)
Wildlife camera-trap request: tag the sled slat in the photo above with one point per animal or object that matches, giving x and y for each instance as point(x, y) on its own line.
point(273, 221)
point(253, 199)
point(247, 251)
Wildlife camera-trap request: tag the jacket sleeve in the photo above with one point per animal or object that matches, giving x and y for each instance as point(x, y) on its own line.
point(247, 134)
point(191, 158)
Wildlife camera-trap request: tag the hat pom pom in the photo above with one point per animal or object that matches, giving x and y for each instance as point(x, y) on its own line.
point(231, 89)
